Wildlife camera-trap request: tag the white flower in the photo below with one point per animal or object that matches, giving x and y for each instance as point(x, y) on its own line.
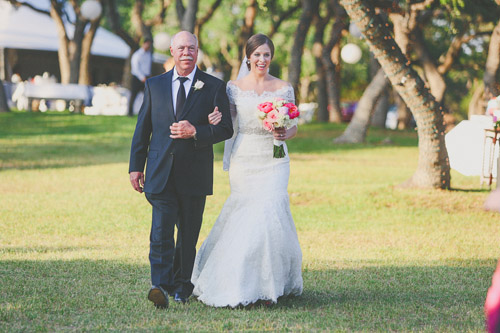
point(280, 122)
point(198, 85)
point(261, 115)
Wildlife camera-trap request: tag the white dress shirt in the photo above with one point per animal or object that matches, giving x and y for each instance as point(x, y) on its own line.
point(176, 83)
point(140, 64)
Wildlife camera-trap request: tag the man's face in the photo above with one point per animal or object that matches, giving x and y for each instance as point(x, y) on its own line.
point(146, 45)
point(185, 53)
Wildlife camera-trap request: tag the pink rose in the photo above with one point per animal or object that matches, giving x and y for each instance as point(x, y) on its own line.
point(293, 111)
point(265, 107)
point(268, 126)
point(272, 116)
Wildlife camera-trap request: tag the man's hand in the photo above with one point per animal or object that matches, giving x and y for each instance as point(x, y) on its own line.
point(182, 130)
point(137, 180)
point(215, 117)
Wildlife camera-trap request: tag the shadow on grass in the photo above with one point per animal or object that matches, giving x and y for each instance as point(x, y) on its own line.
point(51, 140)
point(478, 190)
point(34, 140)
point(86, 294)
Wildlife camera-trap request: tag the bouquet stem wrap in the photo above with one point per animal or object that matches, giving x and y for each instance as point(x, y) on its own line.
point(279, 149)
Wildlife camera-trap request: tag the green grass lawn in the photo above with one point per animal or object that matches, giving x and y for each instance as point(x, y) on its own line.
point(74, 236)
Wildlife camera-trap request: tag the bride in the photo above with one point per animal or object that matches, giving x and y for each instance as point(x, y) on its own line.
point(252, 253)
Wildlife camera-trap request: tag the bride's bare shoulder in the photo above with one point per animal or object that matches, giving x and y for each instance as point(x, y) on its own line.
point(278, 83)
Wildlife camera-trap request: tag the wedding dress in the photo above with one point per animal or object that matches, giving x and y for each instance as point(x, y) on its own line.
point(252, 253)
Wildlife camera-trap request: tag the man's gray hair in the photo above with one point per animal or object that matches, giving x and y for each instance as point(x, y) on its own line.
point(175, 36)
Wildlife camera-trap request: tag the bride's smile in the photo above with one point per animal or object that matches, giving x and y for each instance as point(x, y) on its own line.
point(261, 58)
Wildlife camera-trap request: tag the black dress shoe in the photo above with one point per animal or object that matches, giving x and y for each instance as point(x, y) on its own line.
point(159, 297)
point(180, 299)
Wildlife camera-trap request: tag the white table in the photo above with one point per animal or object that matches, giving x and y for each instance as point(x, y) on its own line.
point(73, 93)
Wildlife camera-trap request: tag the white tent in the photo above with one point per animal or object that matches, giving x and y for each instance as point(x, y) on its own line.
point(25, 28)
point(469, 152)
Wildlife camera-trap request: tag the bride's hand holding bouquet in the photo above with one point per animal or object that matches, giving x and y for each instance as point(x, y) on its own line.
point(278, 116)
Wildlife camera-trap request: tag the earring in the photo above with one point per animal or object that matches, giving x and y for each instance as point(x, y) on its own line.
point(248, 62)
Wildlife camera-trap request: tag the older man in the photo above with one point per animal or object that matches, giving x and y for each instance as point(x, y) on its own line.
point(174, 136)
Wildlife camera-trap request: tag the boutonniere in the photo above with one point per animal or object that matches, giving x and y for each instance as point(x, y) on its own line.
point(198, 85)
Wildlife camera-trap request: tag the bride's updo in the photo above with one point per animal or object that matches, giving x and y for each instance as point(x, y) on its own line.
point(254, 42)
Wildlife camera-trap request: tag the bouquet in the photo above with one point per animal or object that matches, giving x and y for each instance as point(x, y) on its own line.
point(278, 114)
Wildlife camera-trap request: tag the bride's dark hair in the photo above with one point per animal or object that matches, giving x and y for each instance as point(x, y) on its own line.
point(254, 42)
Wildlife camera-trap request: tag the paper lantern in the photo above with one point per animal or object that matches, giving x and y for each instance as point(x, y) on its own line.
point(91, 9)
point(351, 53)
point(162, 41)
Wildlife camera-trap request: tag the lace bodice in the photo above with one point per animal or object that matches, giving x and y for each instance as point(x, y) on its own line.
point(246, 102)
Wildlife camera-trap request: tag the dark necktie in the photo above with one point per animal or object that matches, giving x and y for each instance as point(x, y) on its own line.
point(181, 96)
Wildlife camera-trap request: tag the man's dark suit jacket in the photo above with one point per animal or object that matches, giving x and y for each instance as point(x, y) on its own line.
point(193, 171)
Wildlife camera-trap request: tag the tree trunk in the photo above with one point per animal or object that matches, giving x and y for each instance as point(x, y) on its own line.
point(492, 64)
point(75, 51)
point(379, 115)
point(403, 112)
point(247, 28)
point(322, 98)
point(63, 51)
point(381, 108)
point(356, 131)
point(332, 69)
point(187, 16)
point(245, 33)
point(85, 77)
point(433, 170)
point(477, 104)
point(309, 9)
point(4, 106)
point(433, 77)
point(141, 30)
point(189, 19)
point(72, 52)
point(403, 26)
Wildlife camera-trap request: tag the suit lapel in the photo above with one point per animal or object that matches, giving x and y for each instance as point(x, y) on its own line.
point(192, 96)
point(168, 100)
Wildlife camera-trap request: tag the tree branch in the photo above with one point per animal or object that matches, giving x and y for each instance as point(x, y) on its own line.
point(282, 17)
point(76, 8)
point(114, 21)
point(452, 54)
point(421, 5)
point(160, 17)
point(209, 14)
point(225, 53)
point(19, 4)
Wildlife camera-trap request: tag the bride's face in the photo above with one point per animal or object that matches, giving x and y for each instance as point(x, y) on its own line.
point(260, 59)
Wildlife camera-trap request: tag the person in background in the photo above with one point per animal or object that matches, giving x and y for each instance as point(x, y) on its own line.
point(492, 304)
point(140, 65)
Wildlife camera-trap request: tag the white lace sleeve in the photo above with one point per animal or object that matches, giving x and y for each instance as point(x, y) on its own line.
point(228, 144)
point(289, 95)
